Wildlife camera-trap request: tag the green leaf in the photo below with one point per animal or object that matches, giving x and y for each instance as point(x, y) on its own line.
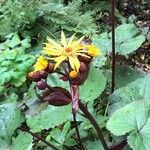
point(55, 81)
point(133, 117)
point(93, 86)
point(99, 61)
point(125, 75)
point(14, 41)
point(57, 136)
point(26, 42)
point(144, 86)
point(138, 89)
point(4, 145)
point(66, 129)
point(52, 7)
point(14, 66)
point(10, 119)
point(49, 118)
point(95, 145)
point(103, 42)
point(128, 39)
point(22, 142)
point(60, 135)
point(138, 142)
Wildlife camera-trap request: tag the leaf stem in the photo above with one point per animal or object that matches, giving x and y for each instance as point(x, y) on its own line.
point(25, 129)
point(94, 123)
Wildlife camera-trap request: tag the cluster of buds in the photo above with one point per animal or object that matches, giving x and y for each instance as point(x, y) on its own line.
point(53, 95)
point(71, 59)
point(41, 75)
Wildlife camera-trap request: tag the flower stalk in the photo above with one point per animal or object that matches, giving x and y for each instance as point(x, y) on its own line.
point(94, 123)
point(113, 45)
point(77, 131)
point(72, 57)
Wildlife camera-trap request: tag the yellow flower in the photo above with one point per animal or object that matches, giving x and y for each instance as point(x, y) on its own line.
point(41, 64)
point(93, 51)
point(65, 50)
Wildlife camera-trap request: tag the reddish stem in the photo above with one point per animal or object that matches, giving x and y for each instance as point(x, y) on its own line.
point(94, 123)
point(119, 145)
point(25, 129)
point(113, 45)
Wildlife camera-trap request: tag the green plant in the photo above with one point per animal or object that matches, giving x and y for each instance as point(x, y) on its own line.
point(14, 66)
point(66, 99)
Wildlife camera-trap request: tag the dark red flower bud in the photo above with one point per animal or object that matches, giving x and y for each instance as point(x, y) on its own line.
point(83, 76)
point(83, 68)
point(57, 99)
point(65, 78)
point(34, 76)
point(41, 85)
point(43, 74)
point(85, 60)
point(50, 67)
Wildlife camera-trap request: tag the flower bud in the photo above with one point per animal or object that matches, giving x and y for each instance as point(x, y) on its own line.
point(50, 67)
point(34, 76)
point(57, 99)
point(43, 74)
point(41, 85)
point(65, 78)
point(73, 74)
point(85, 60)
point(83, 68)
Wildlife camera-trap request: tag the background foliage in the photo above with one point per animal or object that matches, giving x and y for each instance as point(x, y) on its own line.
point(124, 114)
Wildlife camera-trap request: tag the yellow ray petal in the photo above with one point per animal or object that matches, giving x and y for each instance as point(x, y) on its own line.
point(59, 60)
point(71, 40)
point(81, 51)
point(93, 51)
point(52, 52)
point(84, 55)
point(41, 64)
point(76, 63)
point(48, 45)
point(54, 43)
point(79, 41)
point(63, 39)
point(71, 62)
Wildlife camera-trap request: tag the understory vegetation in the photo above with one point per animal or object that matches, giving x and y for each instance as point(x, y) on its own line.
point(33, 118)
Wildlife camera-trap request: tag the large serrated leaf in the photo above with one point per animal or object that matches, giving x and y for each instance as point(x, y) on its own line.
point(93, 86)
point(22, 142)
point(10, 119)
point(125, 75)
point(93, 145)
point(4, 145)
point(134, 118)
point(138, 141)
point(138, 89)
point(128, 39)
point(49, 118)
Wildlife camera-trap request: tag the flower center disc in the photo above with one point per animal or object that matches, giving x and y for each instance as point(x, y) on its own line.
point(68, 51)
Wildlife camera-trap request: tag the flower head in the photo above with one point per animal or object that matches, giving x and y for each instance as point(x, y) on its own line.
point(93, 51)
point(41, 64)
point(66, 50)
